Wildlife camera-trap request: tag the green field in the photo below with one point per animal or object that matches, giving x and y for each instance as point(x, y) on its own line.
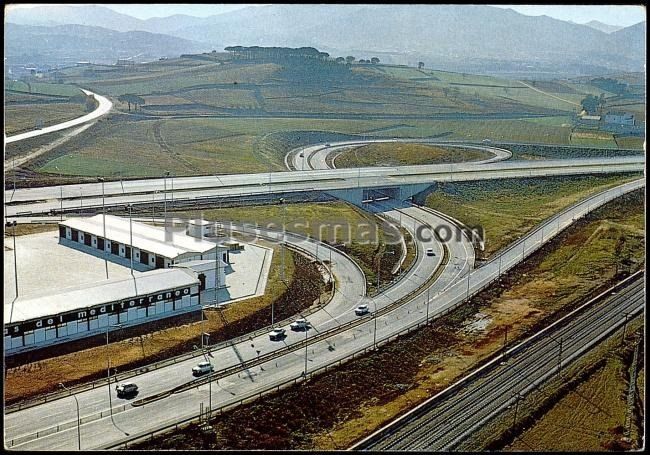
point(507, 209)
point(202, 115)
point(23, 117)
point(364, 235)
point(399, 154)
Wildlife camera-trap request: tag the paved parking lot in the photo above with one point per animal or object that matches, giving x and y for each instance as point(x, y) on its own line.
point(45, 266)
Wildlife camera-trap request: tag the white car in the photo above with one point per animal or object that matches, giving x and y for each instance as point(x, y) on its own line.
point(361, 310)
point(277, 334)
point(430, 252)
point(202, 368)
point(299, 324)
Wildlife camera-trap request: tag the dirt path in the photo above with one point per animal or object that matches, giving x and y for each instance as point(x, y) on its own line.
point(548, 94)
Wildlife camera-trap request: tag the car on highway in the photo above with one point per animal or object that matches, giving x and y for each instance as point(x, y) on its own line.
point(486, 141)
point(361, 310)
point(430, 252)
point(126, 389)
point(299, 324)
point(202, 368)
point(277, 334)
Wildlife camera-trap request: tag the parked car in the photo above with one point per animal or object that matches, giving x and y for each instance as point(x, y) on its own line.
point(277, 334)
point(299, 324)
point(126, 388)
point(430, 252)
point(202, 368)
point(361, 310)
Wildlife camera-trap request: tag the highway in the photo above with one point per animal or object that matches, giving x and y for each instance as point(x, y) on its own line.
point(103, 108)
point(32, 201)
point(254, 365)
point(450, 417)
point(330, 346)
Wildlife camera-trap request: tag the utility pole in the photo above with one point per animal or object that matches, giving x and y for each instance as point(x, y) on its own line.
point(627, 315)
point(518, 397)
point(505, 343)
point(61, 216)
point(559, 360)
point(284, 235)
point(306, 331)
point(131, 240)
point(101, 179)
point(108, 369)
point(165, 194)
point(428, 300)
point(13, 224)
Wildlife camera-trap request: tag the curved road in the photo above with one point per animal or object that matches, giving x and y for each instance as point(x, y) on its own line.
point(103, 108)
point(231, 389)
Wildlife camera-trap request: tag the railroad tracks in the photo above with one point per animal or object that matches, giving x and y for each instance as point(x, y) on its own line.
point(445, 420)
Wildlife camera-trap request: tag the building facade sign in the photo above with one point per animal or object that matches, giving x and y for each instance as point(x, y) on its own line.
point(18, 329)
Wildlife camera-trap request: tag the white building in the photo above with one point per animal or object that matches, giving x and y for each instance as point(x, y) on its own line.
point(152, 246)
point(77, 312)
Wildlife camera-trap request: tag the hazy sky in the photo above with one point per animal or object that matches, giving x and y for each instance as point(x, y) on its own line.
point(623, 15)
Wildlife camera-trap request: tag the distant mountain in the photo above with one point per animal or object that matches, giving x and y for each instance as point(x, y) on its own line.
point(455, 37)
point(66, 43)
point(437, 33)
point(603, 27)
point(96, 16)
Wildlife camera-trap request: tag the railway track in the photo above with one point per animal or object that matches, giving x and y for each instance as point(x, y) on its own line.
point(447, 419)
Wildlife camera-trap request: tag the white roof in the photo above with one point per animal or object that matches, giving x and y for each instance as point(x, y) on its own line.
point(89, 295)
point(201, 265)
point(145, 237)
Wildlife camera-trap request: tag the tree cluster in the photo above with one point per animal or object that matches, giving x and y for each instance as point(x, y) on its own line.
point(593, 103)
point(611, 85)
point(130, 98)
point(274, 54)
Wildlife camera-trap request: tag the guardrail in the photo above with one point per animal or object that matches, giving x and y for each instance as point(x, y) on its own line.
point(182, 357)
point(415, 326)
point(492, 362)
point(334, 331)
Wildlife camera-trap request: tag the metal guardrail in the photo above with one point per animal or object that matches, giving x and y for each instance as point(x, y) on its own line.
point(324, 335)
point(416, 325)
point(179, 358)
point(492, 362)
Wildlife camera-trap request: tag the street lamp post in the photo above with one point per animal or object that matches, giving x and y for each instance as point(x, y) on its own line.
point(284, 235)
point(78, 416)
point(108, 370)
point(379, 265)
point(306, 332)
point(131, 240)
point(165, 194)
point(13, 225)
point(104, 223)
point(428, 300)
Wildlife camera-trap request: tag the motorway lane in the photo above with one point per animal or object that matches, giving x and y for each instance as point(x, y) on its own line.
point(311, 179)
point(314, 157)
point(103, 108)
point(41, 201)
point(186, 403)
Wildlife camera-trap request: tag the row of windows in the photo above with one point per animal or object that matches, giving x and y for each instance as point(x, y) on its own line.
point(114, 248)
point(93, 323)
